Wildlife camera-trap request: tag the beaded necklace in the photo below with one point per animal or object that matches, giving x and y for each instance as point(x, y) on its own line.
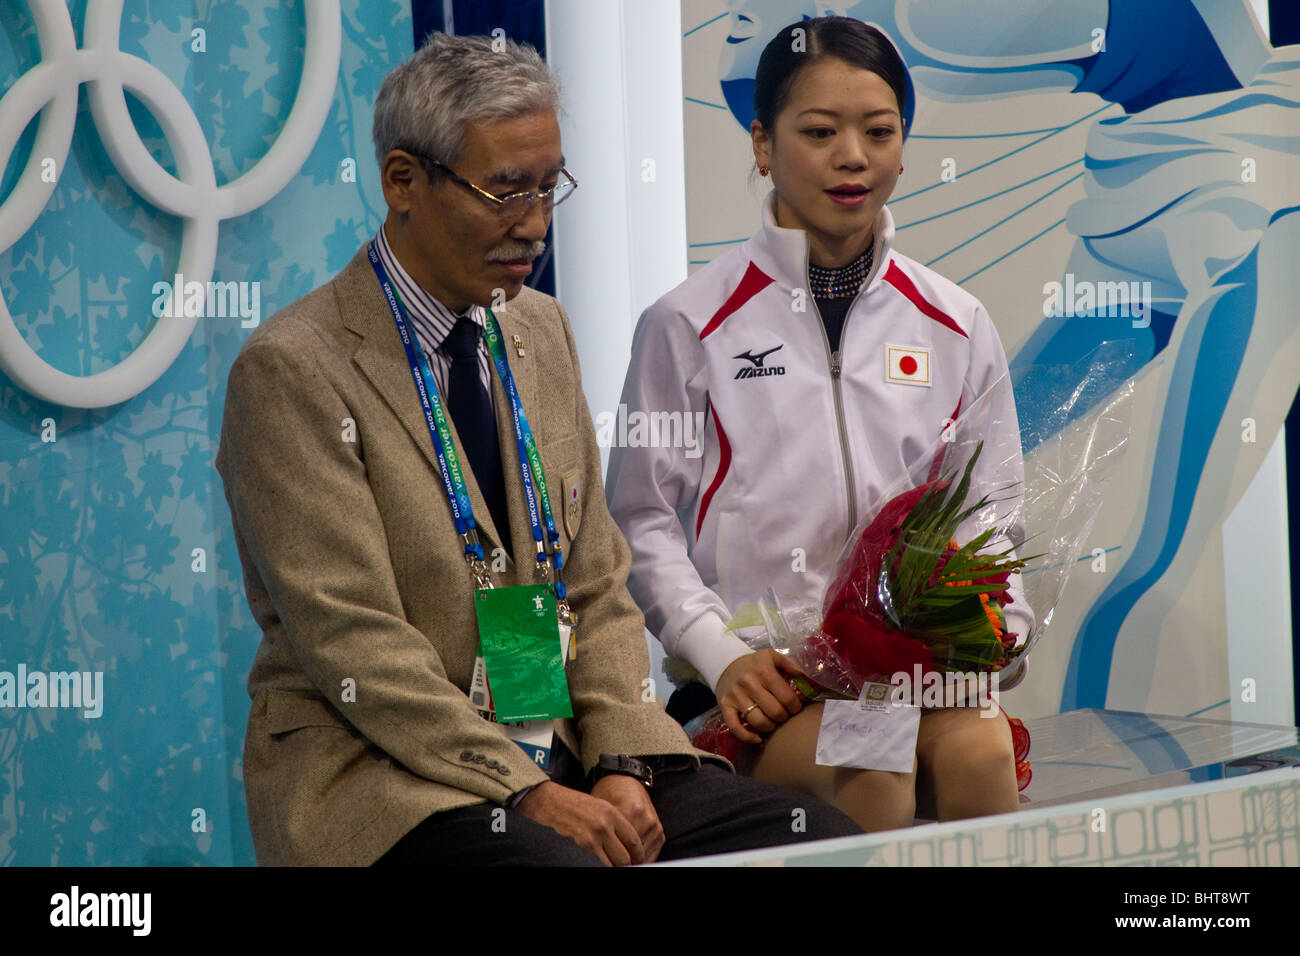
point(841, 283)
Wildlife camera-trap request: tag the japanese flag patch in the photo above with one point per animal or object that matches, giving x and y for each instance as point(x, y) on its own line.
point(907, 365)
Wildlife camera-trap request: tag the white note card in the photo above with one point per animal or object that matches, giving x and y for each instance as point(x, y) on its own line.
point(868, 733)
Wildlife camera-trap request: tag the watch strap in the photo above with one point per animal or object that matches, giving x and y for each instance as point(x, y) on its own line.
point(621, 764)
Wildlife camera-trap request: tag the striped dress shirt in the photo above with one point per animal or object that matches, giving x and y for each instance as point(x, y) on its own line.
point(433, 322)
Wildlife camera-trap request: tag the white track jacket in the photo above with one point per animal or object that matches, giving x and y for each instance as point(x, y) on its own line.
point(798, 440)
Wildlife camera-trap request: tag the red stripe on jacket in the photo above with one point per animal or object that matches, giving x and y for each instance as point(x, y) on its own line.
point(724, 463)
point(936, 466)
point(754, 281)
point(900, 281)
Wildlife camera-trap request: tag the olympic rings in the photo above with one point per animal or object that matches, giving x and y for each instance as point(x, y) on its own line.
point(50, 89)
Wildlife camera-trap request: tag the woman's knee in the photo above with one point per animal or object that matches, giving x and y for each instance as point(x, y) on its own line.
point(970, 771)
point(964, 739)
point(877, 799)
point(988, 755)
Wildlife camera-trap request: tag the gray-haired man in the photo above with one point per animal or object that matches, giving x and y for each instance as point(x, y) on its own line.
point(345, 418)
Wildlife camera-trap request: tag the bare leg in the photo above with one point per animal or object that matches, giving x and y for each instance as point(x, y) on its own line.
point(966, 765)
point(874, 799)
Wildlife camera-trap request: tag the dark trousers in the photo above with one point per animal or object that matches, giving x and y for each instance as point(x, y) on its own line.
point(702, 811)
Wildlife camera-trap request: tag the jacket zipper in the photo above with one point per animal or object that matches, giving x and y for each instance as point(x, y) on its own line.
point(833, 359)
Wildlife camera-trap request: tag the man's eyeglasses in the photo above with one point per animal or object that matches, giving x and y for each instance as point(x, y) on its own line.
point(515, 205)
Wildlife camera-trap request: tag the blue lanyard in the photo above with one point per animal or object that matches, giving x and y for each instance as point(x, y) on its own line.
point(530, 461)
point(449, 461)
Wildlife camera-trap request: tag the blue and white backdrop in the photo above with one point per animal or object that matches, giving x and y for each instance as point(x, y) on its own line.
point(1163, 150)
point(1057, 146)
point(116, 553)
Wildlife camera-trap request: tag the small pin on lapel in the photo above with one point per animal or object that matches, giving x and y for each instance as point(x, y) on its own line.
point(519, 345)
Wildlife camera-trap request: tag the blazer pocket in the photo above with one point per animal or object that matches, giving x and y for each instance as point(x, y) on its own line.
point(563, 453)
point(327, 782)
point(286, 712)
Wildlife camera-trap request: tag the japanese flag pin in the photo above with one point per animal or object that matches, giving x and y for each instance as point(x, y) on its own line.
point(519, 345)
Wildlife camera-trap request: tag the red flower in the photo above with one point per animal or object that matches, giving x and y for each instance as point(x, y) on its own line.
point(1020, 747)
point(1023, 775)
point(868, 651)
point(859, 573)
point(715, 737)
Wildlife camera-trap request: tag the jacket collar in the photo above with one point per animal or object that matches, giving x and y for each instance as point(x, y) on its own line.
point(783, 253)
point(382, 359)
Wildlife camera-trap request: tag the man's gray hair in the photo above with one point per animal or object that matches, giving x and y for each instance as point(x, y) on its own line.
point(427, 102)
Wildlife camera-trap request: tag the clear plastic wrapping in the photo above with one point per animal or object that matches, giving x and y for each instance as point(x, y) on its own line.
point(960, 564)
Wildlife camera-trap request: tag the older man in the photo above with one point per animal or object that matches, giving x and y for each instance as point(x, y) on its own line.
point(427, 618)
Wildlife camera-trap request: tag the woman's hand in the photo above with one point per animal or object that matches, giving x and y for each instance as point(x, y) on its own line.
point(755, 695)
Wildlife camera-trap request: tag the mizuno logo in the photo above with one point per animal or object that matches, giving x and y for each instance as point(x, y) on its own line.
point(758, 369)
point(758, 359)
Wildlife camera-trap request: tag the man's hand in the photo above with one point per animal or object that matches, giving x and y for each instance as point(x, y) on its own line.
point(630, 798)
point(593, 823)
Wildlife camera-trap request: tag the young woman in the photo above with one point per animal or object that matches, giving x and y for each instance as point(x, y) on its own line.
point(785, 343)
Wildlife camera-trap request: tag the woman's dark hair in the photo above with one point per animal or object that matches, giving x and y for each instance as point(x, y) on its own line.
point(841, 38)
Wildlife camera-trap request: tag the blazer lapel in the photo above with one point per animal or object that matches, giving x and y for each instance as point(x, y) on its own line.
point(382, 359)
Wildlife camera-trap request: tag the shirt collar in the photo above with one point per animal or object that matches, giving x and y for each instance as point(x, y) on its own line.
point(783, 253)
point(433, 321)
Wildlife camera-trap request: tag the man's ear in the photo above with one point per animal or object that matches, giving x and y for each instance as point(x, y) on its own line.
point(398, 176)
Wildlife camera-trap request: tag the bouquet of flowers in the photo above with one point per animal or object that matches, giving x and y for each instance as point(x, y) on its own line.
point(930, 586)
point(908, 597)
point(910, 594)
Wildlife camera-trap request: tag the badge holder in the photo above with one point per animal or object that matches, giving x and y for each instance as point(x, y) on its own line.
point(523, 645)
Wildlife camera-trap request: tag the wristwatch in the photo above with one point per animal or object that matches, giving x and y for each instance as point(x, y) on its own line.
point(623, 764)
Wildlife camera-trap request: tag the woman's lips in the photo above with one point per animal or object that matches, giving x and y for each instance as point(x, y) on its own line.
point(850, 199)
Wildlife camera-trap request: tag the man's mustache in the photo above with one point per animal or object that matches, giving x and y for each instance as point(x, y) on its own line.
point(515, 252)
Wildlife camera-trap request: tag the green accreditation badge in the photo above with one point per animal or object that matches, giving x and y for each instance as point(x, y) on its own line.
point(519, 639)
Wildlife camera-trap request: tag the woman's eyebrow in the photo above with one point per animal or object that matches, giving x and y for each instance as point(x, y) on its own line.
point(818, 109)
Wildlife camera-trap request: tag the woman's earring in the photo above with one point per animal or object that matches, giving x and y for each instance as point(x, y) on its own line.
point(762, 170)
point(900, 170)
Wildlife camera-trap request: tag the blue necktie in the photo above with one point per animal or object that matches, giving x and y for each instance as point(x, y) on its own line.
point(471, 410)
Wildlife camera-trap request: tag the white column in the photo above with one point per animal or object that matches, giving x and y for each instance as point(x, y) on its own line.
point(620, 242)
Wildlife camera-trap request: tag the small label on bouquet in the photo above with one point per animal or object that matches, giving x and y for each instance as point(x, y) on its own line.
point(876, 698)
point(873, 732)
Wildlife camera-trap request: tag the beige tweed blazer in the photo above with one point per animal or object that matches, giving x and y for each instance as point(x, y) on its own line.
point(360, 724)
